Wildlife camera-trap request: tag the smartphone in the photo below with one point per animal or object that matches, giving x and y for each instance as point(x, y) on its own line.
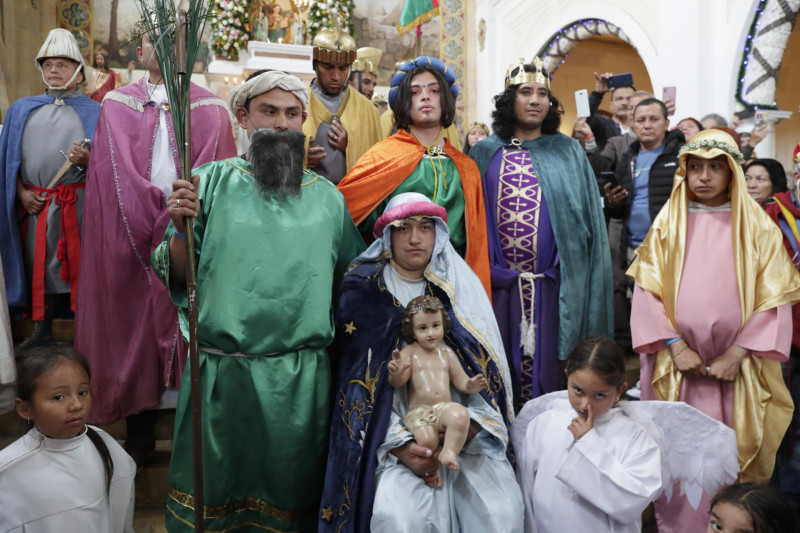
point(761, 118)
point(620, 80)
point(609, 176)
point(582, 103)
point(669, 93)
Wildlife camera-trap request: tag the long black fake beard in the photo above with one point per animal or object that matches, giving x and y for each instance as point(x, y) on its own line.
point(277, 159)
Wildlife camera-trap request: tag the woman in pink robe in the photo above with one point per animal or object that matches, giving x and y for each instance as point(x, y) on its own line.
point(711, 312)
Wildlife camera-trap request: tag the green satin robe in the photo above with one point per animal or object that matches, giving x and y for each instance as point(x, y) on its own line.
point(442, 184)
point(266, 272)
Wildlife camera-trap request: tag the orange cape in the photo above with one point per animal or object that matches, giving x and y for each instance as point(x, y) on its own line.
point(384, 166)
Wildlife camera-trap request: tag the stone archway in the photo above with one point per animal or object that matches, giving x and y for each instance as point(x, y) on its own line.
point(554, 52)
point(763, 51)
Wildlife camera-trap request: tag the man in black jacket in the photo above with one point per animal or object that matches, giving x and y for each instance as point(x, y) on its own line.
point(645, 174)
point(619, 123)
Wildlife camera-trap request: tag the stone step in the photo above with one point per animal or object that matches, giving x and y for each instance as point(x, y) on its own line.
point(63, 329)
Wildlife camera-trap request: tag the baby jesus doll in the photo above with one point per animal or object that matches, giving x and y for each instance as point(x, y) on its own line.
point(429, 366)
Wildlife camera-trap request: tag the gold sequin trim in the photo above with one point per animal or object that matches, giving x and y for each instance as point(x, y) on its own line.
point(246, 504)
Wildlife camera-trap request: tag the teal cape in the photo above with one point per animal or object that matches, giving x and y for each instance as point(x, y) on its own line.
point(585, 300)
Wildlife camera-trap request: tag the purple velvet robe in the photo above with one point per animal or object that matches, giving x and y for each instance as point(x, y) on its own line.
point(125, 322)
point(521, 239)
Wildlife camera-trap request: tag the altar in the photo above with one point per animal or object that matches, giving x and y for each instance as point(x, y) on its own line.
point(222, 75)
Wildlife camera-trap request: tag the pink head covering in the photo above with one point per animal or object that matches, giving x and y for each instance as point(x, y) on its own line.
point(406, 205)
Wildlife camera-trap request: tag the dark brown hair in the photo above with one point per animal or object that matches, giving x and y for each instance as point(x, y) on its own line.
point(767, 507)
point(422, 304)
point(402, 104)
point(600, 355)
point(34, 363)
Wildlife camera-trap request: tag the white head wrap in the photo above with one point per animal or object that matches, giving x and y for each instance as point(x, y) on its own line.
point(266, 82)
point(60, 43)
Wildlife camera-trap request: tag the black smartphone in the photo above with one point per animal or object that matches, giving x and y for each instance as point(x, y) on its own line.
point(620, 80)
point(609, 176)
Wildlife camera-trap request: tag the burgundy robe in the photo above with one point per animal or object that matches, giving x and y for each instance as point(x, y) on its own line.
point(125, 322)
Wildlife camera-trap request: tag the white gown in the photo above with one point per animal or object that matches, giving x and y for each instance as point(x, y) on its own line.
point(59, 485)
point(600, 483)
point(482, 496)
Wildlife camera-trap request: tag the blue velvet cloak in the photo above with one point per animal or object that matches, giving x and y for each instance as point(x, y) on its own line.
point(368, 329)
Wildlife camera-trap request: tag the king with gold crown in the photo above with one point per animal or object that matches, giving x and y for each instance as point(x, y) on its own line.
point(342, 123)
point(539, 189)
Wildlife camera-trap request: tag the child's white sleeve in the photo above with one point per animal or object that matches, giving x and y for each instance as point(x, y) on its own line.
point(620, 484)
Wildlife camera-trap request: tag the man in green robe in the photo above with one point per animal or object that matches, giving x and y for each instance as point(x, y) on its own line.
point(273, 241)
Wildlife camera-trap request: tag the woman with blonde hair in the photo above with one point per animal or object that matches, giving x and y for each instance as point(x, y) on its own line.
point(711, 311)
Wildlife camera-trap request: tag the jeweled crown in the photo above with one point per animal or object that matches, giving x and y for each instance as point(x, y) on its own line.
point(516, 73)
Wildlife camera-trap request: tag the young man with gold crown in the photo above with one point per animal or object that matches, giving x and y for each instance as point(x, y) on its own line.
point(711, 312)
point(364, 72)
point(342, 124)
point(43, 170)
point(418, 158)
point(547, 238)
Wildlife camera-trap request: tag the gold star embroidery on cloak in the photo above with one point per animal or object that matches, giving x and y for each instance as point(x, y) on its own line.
point(349, 328)
point(327, 513)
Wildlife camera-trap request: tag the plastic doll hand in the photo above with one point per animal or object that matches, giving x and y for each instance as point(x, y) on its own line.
point(726, 366)
point(397, 365)
point(476, 384)
point(182, 202)
point(582, 425)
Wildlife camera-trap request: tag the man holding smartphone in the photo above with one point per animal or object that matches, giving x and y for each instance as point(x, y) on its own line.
point(605, 128)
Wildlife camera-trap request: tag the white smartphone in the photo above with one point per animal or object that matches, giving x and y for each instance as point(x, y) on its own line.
point(761, 118)
point(582, 103)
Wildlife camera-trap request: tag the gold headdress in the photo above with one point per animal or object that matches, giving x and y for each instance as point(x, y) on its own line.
point(334, 46)
point(367, 60)
point(516, 73)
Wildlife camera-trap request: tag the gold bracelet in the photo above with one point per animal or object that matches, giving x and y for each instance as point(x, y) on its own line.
point(685, 345)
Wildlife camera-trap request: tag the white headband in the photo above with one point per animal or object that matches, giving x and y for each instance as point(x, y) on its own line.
point(266, 82)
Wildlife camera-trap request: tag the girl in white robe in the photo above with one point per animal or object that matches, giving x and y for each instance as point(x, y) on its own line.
point(583, 465)
point(62, 475)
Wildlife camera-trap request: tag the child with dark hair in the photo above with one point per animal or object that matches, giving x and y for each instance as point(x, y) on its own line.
point(62, 475)
point(583, 465)
point(751, 507)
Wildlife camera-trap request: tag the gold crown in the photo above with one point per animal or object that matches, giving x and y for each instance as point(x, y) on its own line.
point(334, 46)
point(367, 60)
point(516, 73)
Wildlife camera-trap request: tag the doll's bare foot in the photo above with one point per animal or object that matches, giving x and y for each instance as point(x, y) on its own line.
point(434, 481)
point(449, 459)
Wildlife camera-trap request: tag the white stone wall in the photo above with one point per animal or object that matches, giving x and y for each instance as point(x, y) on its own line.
point(693, 44)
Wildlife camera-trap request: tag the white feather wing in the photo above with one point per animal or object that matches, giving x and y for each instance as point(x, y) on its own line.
point(696, 450)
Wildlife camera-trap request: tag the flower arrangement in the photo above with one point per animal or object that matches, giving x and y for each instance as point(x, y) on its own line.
point(321, 16)
point(228, 34)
